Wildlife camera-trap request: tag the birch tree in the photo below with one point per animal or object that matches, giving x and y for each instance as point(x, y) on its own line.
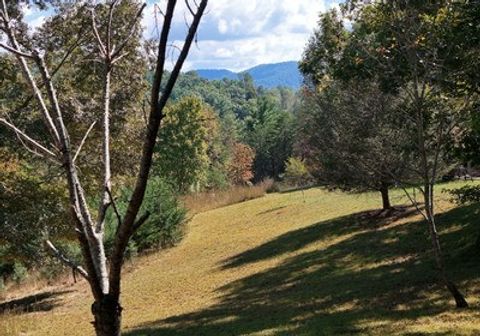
point(103, 276)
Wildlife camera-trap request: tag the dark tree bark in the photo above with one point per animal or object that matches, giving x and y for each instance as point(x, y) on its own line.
point(108, 316)
point(385, 197)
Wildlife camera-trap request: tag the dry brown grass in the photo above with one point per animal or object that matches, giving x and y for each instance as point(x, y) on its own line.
point(195, 203)
point(286, 265)
point(204, 201)
point(35, 282)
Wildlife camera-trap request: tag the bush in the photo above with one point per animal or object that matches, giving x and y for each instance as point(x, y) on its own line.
point(217, 179)
point(465, 194)
point(51, 268)
point(164, 226)
point(296, 173)
point(20, 272)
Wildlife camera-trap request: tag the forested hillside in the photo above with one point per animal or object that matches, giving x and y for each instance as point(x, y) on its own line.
point(266, 75)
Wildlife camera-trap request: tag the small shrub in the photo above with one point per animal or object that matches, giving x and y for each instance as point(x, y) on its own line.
point(51, 268)
point(296, 174)
point(20, 272)
point(217, 179)
point(270, 185)
point(164, 226)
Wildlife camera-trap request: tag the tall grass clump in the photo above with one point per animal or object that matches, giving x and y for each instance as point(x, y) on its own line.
point(208, 200)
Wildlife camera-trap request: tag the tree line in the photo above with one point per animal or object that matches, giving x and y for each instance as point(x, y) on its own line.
point(391, 99)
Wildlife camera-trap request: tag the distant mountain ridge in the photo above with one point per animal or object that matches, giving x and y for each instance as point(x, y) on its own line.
point(266, 75)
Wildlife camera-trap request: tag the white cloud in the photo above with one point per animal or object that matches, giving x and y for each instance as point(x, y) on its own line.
point(238, 34)
point(222, 26)
point(234, 34)
point(35, 17)
point(37, 22)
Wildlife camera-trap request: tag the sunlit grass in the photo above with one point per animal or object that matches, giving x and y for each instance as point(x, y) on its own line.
point(286, 264)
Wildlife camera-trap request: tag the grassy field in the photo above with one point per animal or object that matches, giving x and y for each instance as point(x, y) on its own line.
point(286, 264)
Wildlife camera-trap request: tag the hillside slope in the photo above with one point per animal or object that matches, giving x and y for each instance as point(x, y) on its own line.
point(285, 264)
point(266, 75)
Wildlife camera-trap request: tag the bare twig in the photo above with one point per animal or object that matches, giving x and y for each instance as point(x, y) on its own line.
point(83, 141)
point(101, 46)
point(27, 138)
point(114, 206)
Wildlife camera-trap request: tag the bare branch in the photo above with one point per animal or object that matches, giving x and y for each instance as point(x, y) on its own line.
point(131, 32)
point(4, 11)
point(109, 27)
point(83, 141)
point(52, 128)
point(192, 32)
point(118, 58)
point(114, 206)
point(27, 101)
point(27, 138)
point(101, 46)
point(414, 202)
point(189, 7)
point(66, 261)
point(15, 51)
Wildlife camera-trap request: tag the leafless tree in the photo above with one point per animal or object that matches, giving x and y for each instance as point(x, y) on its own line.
point(104, 276)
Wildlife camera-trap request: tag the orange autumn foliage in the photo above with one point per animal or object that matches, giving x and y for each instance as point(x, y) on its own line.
point(241, 163)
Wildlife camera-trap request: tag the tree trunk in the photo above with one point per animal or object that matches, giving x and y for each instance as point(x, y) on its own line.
point(385, 197)
point(108, 316)
point(430, 214)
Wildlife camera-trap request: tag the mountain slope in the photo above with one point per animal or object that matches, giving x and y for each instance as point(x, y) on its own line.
point(266, 75)
point(216, 74)
point(272, 75)
point(286, 264)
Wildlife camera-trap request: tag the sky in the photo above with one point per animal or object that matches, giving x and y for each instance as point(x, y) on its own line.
point(237, 34)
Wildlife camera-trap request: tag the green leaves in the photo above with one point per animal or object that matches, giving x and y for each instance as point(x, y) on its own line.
point(182, 144)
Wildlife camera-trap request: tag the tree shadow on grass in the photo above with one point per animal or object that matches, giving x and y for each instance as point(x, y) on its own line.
point(382, 273)
point(44, 301)
point(295, 240)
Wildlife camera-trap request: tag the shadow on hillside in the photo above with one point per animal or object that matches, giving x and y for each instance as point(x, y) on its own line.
point(327, 230)
point(375, 272)
point(44, 301)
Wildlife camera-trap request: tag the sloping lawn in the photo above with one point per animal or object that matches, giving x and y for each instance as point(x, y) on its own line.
point(287, 264)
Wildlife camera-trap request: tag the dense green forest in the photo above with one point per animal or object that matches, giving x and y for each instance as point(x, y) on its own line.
point(95, 128)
